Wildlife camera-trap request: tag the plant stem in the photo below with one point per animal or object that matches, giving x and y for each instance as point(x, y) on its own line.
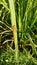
point(14, 27)
point(19, 21)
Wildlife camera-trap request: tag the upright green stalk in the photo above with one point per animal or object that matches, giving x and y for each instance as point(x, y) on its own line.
point(28, 8)
point(13, 22)
point(19, 20)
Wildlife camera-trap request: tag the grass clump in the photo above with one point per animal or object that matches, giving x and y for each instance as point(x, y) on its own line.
point(18, 32)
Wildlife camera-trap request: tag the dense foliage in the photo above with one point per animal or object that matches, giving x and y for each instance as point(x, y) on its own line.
point(18, 32)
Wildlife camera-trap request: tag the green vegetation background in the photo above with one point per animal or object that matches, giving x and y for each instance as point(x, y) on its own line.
point(26, 23)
